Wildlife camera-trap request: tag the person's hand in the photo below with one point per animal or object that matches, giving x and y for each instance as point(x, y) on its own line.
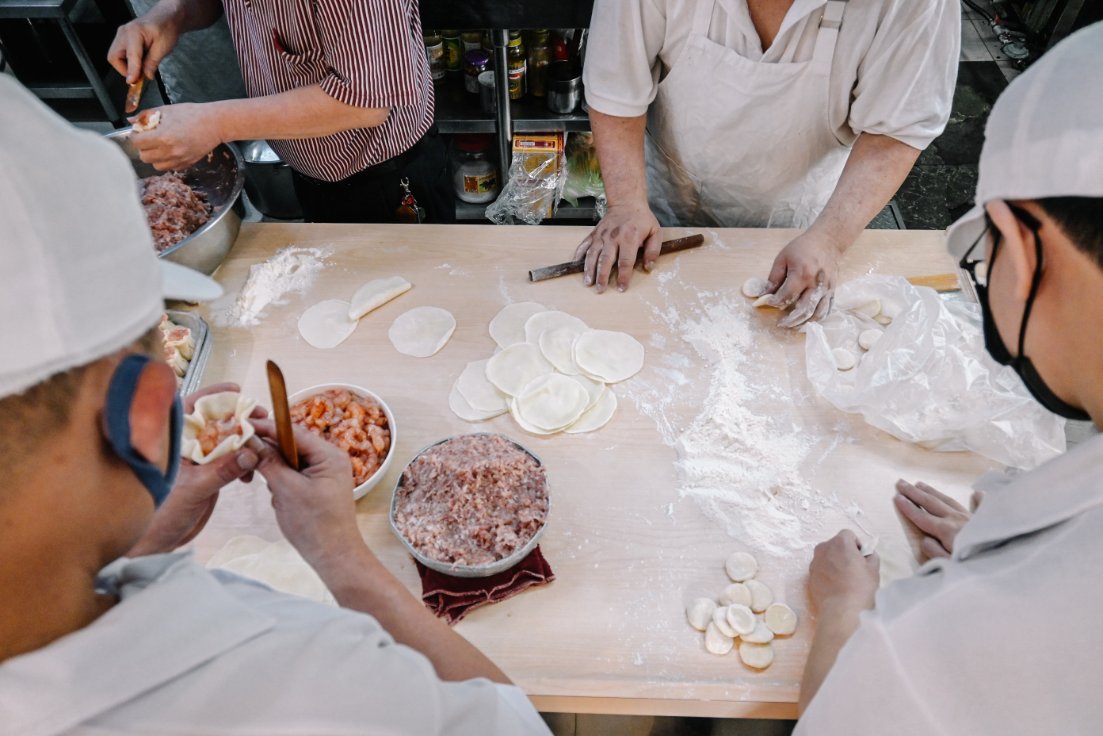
point(187, 132)
point(616, 241)
point(840, 577)
point(141, 44)
point(314, 506)
point(803, 277)
point(938, 516)
point(193, 497)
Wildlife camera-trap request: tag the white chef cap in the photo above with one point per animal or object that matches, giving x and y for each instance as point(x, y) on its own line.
point(1044, 137)
point(78, 275)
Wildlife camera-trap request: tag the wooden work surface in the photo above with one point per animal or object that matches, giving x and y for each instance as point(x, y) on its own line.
point(609, 635)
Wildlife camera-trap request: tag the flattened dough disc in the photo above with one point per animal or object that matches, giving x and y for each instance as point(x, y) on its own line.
point(478, 392)
point(608, 356)
point(375, 294)
point(541, 322)
point(422, 331)
point(516, 367)
point(597, 416)
point(508, 326)
point(558, 347)
point(459, 406)
point(326, 325)
point(552, 402)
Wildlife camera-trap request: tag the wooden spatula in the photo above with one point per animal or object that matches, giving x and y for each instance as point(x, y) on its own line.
point(285, 438)
point(134, 96)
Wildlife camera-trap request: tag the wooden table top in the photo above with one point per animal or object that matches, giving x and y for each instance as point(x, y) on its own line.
point(609, 635)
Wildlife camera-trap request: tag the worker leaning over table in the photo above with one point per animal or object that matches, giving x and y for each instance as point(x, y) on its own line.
point(999, 633)
point(762, 113)
point(341, 89)
point(103, 629)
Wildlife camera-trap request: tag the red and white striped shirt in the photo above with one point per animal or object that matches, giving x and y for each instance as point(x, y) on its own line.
point(367, 53)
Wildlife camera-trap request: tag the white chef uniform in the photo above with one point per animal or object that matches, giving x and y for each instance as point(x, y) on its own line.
point(188, 651)
point(738, 136)
point(1002, 638)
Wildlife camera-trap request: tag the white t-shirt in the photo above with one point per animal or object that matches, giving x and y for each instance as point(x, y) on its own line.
point(1003, 638)
point(188, 651)
point(894, 70)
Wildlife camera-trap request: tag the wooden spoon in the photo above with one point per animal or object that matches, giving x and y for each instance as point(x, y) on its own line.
point(285, 437)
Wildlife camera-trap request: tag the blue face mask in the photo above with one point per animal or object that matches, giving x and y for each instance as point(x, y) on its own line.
point(120, 398)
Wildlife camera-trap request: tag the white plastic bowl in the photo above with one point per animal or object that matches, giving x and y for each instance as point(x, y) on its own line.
point(361, 490)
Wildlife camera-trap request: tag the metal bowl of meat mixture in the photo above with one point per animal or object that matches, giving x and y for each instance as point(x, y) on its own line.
point(194, 214)
point(471, 506)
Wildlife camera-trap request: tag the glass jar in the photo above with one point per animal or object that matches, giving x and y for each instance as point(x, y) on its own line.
point(516, 59)
point(471, 40)
point(434, 53)
point(474, 174)
point(475, 62)
point(453, 51)
point(539, 58)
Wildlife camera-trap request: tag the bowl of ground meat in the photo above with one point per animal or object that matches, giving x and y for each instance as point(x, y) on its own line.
point(472, 505)
point(195, 213)
point(353, 419)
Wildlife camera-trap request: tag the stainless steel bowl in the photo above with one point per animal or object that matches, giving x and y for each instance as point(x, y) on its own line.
point(220, 176)
point(469, 571)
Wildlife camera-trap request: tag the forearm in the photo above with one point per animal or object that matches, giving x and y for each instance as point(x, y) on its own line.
point(305, 112)
point(359, 581)
point(619, 143)
point(835, 624)
point(873, 173)
point(186, 15)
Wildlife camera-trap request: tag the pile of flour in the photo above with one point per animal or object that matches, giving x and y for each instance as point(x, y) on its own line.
point(292, 269)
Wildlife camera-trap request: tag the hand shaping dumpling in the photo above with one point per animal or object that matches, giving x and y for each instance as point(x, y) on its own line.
point(218, 426)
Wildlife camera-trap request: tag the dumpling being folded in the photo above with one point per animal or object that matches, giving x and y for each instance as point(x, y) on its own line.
point(218, 426)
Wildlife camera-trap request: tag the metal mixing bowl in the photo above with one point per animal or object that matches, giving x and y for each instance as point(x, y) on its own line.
point(220, 176)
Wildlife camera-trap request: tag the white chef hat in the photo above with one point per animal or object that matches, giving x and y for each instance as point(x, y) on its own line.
point(78, 275)
point(1044, 137)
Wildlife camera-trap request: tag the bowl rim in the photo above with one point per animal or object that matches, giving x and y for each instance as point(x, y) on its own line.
point(470, 571)
point(235, 193)
point(373, 480)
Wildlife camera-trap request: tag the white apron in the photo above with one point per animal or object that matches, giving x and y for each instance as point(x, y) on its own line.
point(737, 143)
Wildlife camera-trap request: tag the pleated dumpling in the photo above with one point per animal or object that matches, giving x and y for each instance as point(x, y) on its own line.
point(218, 426)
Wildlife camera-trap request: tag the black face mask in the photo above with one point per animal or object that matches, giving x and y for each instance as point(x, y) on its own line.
point(1021, 364)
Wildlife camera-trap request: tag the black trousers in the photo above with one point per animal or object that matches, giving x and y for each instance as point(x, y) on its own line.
point(373, 195)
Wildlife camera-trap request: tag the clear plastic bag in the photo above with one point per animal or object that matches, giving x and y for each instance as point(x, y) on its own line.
point(532, 189)
point(929, 379)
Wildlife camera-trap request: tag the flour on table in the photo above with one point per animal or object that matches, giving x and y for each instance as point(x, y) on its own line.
point(292, 269)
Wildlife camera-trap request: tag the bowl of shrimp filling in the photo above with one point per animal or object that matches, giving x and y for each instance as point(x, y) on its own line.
point(353, 419)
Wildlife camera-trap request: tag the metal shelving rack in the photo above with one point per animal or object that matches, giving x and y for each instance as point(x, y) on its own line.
point(457, 114)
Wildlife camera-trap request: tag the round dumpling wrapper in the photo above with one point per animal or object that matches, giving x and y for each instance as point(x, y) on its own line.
point(516, 367)
point(508, 326)
point(326, 324)
point(422, 331)
point(608, 356)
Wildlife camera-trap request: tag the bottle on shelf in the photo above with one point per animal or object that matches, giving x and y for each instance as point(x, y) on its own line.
point(471, 40)
point(434, 53)
point(453, 51)
point(517, 61)
point(559, 47)
point(539, 57)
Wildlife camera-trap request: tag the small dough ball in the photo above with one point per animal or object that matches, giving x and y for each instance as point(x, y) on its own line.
point(736, 593)
point(758, 656)
point(761, 596)
point(891, 310)
point(883, 320)
point(766, 300)
point(755, 287)
point(699, 613)
point(716, 641)
point(869, 309)
point(869, 338)
point(781, 619)
point(720, 618)
point(740, 619)
point(761, 634)
point(741, 566)
point(844, 359)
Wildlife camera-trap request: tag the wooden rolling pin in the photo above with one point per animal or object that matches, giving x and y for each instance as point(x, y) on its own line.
point(940, 282)
point(565, 269)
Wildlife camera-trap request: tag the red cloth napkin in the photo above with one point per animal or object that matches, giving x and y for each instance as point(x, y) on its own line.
point(451, 598)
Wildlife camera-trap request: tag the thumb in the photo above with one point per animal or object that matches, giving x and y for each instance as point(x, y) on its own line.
point(777, 273)
point(231, 467)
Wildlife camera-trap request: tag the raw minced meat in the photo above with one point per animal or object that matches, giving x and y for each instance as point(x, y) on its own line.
point(471, 500)
point(174, 209)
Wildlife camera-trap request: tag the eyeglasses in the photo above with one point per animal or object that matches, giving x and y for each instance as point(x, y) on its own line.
point(978, 268)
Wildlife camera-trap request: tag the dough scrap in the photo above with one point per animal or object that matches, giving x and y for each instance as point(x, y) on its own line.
point(766, 300)
point(228, 407)
point(461, 408)
point(740, 619)
point(699, 613)
point(716, 641)
point(720, 620)
point(844, 359)
point(754, 287)
point(780, 619)
point(326, 324)
point(542, 322)
point(597, 416)
point(608, 356)
point(552, 402)
point(741, 566)
point(516, 367)
point(760, 634)
point(508, 326)
point(557, 345)
point(422, 331)
point(736, 593)
point(758, 656)
point(891, 310)
point(761, 595)
point(883, 320)
point(375, 294)
point(869, 309)
point(869, 338)
point(478, 392)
